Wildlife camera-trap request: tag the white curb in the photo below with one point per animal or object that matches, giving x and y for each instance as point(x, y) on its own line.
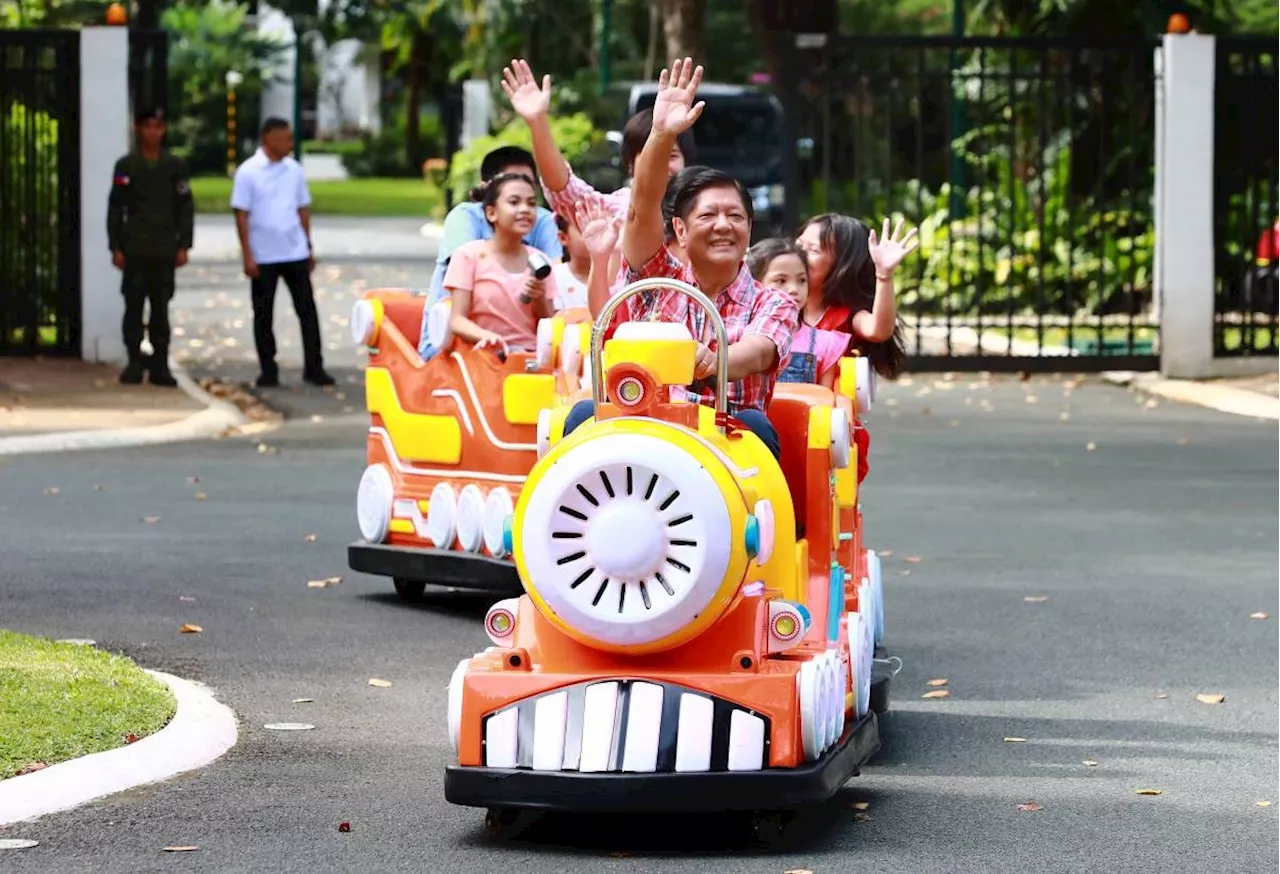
point(1223, 398)
point(216, 417)
point(201, 730)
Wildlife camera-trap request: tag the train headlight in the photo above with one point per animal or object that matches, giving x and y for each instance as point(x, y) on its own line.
point(500, 622)
point(631, 542)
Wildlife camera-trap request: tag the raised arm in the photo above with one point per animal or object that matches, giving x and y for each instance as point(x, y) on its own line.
point(599, 229)
point(887, 252)
point(674, 112)
point(533, 104)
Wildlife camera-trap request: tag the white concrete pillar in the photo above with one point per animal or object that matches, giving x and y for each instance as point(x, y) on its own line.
point(1184, 204)
point(106, 130)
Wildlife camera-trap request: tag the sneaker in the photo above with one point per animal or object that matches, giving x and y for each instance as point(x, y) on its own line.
point(132, 374)
point(318, 377)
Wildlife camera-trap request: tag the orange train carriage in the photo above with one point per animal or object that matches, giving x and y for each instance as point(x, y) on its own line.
point(451, 441)
point(700, 623)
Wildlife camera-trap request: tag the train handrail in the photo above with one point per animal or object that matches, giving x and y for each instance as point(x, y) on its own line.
point(639, 287)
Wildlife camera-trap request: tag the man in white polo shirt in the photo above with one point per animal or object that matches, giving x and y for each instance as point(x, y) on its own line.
point(270, 199)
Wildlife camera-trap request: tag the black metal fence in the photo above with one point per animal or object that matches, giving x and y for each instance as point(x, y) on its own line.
point(1028, 166)
point(1245, 208)
point(39, 192)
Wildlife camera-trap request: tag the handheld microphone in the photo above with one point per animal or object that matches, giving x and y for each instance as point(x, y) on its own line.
point(541, 268)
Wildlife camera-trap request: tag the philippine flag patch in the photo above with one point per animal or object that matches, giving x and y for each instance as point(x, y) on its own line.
point(122, 179)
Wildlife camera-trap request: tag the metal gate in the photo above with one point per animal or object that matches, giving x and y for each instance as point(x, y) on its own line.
point(1245, 208)
point(40, 182)
point(1028, 165)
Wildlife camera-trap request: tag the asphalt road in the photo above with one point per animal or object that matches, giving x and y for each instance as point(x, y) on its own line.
point(1152, 550)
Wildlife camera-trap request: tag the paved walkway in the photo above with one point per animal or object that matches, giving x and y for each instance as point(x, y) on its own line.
point(336, 239)
point(47, 395)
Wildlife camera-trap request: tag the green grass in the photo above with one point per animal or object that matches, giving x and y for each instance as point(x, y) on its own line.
point(415, 198)
point(59, 701)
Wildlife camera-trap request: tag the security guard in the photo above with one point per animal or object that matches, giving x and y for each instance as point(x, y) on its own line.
point(150, 224)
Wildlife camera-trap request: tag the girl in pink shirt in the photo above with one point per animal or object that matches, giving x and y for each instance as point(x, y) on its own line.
point(496, 300)
point(781, 264)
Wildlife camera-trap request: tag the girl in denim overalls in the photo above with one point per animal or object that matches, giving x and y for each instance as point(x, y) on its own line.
point(781, 264)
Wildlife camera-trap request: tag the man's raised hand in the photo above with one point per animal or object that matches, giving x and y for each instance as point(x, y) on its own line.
point(674, 111)
point(527, 99)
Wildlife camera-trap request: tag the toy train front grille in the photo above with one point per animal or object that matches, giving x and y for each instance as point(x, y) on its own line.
point(634, 726)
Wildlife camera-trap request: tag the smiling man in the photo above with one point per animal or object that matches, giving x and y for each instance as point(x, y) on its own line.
point(712, 224)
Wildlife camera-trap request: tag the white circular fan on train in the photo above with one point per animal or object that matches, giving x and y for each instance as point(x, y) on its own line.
point(626, 538)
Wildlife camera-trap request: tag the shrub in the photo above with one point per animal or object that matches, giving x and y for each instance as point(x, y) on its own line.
point(576, 136)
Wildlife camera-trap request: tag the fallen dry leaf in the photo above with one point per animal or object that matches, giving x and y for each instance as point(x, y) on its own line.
point(862, 817)
point(265, 449)
point(191, 629)
point(201, 496)
point(149, 520)
point(303, 700)
point(289, 726)
point(130, 738)
point(1257, 615)
point(797, 871)
point(1036, 599)
point(1015, 740)
point(325, 583)
point(344, 826)
point(1090, 763)
point(180, 849)
point(937, 693)
point(185, 598)
point(885, 553)
point(310, 538)
point(193, 479)
point(17, 843)
point(1183, 441)
point(1089, 447)
point(1210, 698)
point(381, 684)
point(905, 573)
point(52, 491)
point(912, 559)
point(940, 681)
point(1161, 695)
point(861, 805)
point(1029, 807)
point(99, 488)
point(31, 768)
point(1263, 803)
point(1148, 791)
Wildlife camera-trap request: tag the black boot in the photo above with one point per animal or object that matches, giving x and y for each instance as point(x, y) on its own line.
point(269, 377)
point(317, 376)
point(132, 373)
point(159, 372)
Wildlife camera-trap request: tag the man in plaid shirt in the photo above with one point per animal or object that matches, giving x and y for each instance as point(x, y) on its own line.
point(712, 223)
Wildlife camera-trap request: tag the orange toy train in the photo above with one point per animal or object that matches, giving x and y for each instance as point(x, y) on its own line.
point(451, 442)
point(701, 620)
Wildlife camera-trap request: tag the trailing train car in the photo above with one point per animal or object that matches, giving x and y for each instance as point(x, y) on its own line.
point(451, 442)
point(700, 621)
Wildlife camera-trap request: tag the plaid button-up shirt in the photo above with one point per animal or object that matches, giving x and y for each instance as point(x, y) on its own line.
point(566, 200)
point(746, 306)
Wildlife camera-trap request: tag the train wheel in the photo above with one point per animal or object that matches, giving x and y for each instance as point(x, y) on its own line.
point(768, 827)
point(500, 821)
point(409, 590)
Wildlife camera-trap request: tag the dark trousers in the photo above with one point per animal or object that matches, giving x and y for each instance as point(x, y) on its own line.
point(754, 419)
point(297, 278)
point(147, 281)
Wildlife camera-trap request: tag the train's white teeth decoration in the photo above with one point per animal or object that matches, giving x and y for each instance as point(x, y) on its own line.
point(861, 650)
point(839, 683)
point(866, 386)
point(544, 432)
point(571, 352)
point(498, 508)
point(455, 702)
point(544, 349)
point(442, 516)
point(471, 518)
point(877, 594)
point(807, 682)
point(374, 500)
